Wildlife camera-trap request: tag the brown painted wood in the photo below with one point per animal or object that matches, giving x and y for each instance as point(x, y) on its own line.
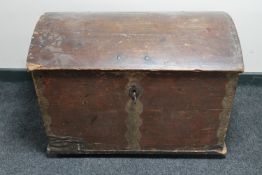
point(181, 111)
point(196, 41)
point(182, 67)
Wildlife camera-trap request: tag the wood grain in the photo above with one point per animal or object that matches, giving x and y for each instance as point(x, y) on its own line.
point(181, 111)
point(196, 41)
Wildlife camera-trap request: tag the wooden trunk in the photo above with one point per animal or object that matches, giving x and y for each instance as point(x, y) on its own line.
point(135, 82)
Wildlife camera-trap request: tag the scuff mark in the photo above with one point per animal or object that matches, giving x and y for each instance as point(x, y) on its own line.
point(33, 66)
point(61, 59)
point(66, 142)
point(53, 49)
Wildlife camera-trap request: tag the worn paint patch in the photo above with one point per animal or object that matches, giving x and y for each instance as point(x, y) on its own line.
point(227, 103)
point(43, 102)
point(134, 110)
point(133, 123)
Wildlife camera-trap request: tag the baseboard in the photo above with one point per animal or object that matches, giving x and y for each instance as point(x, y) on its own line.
point(250, 78)
point(11, 75)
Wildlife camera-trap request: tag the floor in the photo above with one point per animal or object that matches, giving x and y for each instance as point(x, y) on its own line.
point(23, 143)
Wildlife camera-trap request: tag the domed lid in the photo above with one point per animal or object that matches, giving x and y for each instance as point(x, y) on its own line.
point(182, 41)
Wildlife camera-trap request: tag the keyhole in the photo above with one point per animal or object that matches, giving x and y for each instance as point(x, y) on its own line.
point(134, 96)
point(133, 93)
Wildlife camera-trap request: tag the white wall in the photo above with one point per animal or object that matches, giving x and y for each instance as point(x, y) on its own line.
point(18, 18)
